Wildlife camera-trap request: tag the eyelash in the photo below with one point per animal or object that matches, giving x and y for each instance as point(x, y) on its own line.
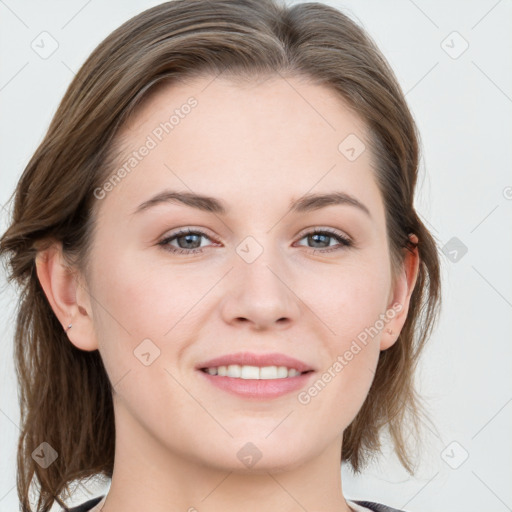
point(343, 240)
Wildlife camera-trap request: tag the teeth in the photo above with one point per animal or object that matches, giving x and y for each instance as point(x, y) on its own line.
point(249, 372)
point(253, 372)
point(234, 371)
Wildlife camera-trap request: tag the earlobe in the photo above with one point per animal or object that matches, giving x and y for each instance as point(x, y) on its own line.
point(403, 289)
point(60, 285)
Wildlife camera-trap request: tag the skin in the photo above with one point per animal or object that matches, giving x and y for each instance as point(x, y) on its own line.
point(177, 436)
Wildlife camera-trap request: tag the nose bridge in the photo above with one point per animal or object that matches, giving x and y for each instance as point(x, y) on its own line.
point(259, 291)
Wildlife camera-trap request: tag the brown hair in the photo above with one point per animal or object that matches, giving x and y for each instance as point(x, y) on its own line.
point(65, 393)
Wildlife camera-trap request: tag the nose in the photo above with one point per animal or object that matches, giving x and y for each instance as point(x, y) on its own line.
point(260, 294)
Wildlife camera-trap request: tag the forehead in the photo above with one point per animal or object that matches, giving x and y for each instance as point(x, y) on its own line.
point(258, 142)
point(293, 106)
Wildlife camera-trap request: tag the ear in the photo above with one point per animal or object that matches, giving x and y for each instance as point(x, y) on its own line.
point(68, 298)
point(400, 296)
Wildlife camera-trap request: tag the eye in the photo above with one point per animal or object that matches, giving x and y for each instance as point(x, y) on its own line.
point(188, 241)
point(319, 237)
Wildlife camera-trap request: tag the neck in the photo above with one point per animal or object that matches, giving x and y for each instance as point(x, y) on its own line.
point(149, 476)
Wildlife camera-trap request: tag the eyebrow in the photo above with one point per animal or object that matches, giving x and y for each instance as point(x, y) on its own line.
point(304, 204)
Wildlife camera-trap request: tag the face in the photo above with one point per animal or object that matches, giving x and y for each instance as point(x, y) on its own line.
point(175, 284)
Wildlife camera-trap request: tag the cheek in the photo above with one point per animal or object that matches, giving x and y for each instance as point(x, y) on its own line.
point(145, 306)
point(352, 306)
point(141, 299)
point(346, 297)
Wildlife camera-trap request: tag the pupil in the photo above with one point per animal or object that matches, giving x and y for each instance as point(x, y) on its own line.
point(316, 236)
point(188, 241)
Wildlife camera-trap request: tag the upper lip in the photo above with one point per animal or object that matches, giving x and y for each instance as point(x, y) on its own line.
point(251, 359)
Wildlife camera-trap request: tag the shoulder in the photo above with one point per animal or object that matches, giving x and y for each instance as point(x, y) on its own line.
point(363, 506)
point(86, 506)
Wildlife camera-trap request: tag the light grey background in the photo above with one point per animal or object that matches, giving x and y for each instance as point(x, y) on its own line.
point(462, 102)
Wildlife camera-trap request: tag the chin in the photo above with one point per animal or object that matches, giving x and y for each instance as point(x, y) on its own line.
point(260, 455)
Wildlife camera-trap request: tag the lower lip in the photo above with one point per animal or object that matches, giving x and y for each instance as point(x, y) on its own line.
point(257, 388)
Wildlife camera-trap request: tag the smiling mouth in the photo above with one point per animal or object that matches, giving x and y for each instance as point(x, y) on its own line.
point(254, 372)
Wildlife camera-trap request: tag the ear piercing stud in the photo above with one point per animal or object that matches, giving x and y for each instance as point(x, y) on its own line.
point(389, 331)
point(69, 327)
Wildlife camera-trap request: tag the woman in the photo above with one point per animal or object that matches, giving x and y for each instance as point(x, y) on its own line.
point(225, 283)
